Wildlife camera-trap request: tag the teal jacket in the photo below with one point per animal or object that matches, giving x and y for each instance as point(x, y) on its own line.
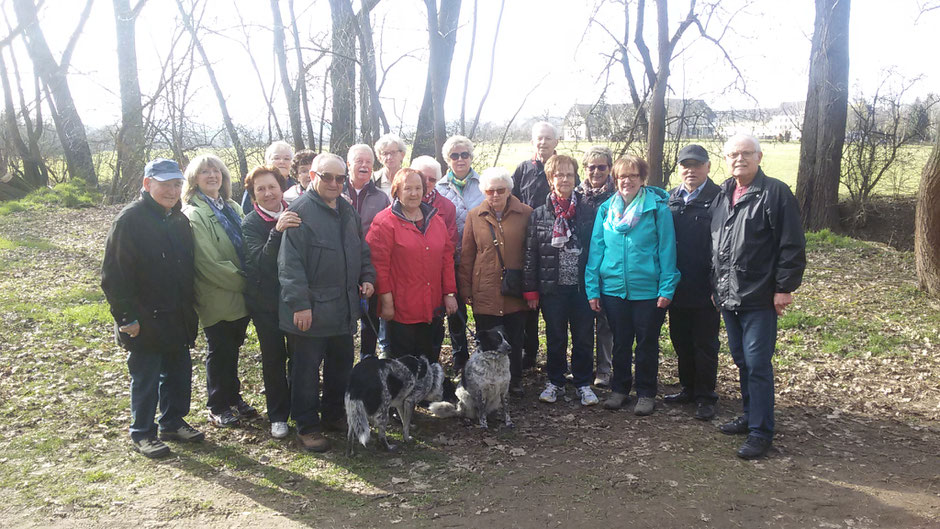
point(639, 263)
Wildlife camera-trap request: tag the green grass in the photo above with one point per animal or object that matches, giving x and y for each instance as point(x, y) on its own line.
point(71, 194)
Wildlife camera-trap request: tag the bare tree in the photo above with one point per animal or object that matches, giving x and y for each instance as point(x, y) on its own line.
point(442, 38)
point(343, 77)
point(245, 43)
point(466, 77)
point(489, 81)
point(371, 112)
point(927, 224)
point(34, 173)
point(291, 93)
point(302, 70)
point(130, 144)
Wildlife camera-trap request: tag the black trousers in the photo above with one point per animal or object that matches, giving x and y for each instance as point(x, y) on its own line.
point(367, 333)
point(456, 324)
point(530, 344)
point(694, 335)
point(275, 364)
point(222, 385)
point(335, 353)
point(514, 327)
point(416, 339)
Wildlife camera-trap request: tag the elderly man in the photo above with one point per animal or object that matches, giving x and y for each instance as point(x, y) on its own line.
point(324, 269)
point(391, 152)
point(147, 277)
point(360, 191)
point(759, 255)
point(693, 320)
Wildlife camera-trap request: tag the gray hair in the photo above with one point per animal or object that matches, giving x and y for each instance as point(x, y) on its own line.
point(277, 146)
point(387, 140)
point(741, 137)
point(357, 148)
point(598, 151)
point(425, 162)
point(324, 156)
point(457, 141)
point(495, 175)
point(544, 125)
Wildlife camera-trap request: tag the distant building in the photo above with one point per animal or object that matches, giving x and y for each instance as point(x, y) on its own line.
point(782, 123)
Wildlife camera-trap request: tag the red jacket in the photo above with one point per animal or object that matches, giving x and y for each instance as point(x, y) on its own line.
point(447, 211)
point(417, 268)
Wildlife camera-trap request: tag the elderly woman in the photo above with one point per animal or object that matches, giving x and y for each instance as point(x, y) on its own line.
point(414, 265)
point(278, 155)
point(262, 229)
point(493, 239)
point(300, 173)
point(556, 250)
point(631, 272)
point(461, 186)
point(596, 189)
point(220, 283)
point(390, 149)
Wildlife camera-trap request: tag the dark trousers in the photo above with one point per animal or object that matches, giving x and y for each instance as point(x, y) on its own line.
point(637, 320)
point(530, 344)
point(222, 384)
point(694, 335)
point(752, 337)
point(514, 328)
point(367, 333)
point(335, 353)
point(159, 378)
point(457, 325)
point(275, 363)
point(567, 306)
point(416, 339)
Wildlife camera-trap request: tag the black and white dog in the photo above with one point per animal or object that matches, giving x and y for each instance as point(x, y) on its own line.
point(484, 385)
point(375, 385)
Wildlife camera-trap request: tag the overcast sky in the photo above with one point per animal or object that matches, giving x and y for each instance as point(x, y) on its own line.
point(547, 40)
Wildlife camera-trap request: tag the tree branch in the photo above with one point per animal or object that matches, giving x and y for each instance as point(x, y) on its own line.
point(73, 40)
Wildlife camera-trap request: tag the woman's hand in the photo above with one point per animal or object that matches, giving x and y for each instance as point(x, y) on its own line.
point(533, 304)
point(450, 305)
point(662, 302)
point(288, 219)
point(595, 304)
point(387, 302)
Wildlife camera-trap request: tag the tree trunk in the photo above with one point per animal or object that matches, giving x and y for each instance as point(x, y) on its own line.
point(71, 129)
point(34, 174)
point(817, 184)
point(131, 146)
point(293, 98)
point(927, 224)
point(371, 108)
point(301, 75)
point(442, 32)
point(343, 77)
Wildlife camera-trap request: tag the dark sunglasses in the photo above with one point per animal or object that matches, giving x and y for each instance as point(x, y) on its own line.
point(597, 168)
point(329, 179)
point(458, 155)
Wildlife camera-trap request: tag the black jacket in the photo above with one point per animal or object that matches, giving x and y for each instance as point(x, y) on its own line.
point(694, 245)
point(147, 276)
point(262, 243)
point(540, 261)
point(758, 246)
point(529, 184)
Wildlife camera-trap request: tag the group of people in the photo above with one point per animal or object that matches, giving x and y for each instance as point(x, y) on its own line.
point(321, 248)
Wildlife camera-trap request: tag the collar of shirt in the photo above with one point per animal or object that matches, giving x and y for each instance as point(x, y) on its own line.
point(687, 195)
point(272, 214)
point(219, 202)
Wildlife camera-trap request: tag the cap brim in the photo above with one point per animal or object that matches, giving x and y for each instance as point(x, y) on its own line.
point(163, 177)
point(696, 158)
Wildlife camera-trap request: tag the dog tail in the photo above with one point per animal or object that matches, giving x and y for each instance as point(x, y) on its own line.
point(443, 409)
point(358, 420)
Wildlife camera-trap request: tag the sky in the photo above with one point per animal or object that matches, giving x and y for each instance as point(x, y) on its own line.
point(550, 46)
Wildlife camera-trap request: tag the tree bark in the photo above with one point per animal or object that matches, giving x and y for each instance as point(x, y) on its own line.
point(343, 77)
point(927, 224)
point(131, 146)
point(817, 185)
point(35, 174)
point(442, 33)
point(293, 98)
point(301, 75)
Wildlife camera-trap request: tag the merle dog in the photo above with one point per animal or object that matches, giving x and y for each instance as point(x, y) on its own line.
point(375, 385)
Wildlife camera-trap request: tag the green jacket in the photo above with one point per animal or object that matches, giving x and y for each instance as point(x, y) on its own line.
point(220, 282)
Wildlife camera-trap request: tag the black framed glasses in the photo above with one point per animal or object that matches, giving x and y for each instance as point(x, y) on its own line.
point(458, 155)
point(329, 178)
point(600, 167)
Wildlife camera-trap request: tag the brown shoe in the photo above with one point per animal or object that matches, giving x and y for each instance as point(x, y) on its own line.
point(313, 442)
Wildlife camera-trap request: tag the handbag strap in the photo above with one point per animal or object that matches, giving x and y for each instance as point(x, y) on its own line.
point(496, 244)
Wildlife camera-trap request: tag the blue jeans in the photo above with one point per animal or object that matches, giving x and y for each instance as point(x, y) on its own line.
point(752, 337)
point(637, 320)
point(335, 353)
point(164, 378)
point(568, 306)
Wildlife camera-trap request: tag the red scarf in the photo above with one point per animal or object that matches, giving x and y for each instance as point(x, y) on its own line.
point(564, 212)
point(431, 196)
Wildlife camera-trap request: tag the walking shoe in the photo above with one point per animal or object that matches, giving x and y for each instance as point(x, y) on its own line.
point(338, 424)
point(616, 401)
point(551, 393)
point(245, 410)
point(226, 419)
point(644, 406)
point(588, 398)
point(705, 411)
point(515, 388)
point(279, 429)
point(185, 434)
point(754, 447)
point(737, 426)
point(151, 447)
point(683, 397)
point(602, 380)
point(313, 442)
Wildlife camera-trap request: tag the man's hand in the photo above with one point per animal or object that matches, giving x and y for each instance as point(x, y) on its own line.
point(533, 304)
point(595, 304)
point(131, 330)
point(450, 305)
point(781, 300)
point(662, 302)
point(366, 290)
point(303, 319)
point(288, 219)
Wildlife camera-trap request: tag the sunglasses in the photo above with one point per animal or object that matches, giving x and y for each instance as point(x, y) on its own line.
point(458, 155)
point(597, 167)
point(500, 191)
point(329, 179)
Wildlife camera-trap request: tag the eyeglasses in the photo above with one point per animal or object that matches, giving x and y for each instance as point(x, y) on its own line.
point(742, 154)
point(329, 178)
point(631, 176)
point(592, 168)
point(386, 154)
point(497, 191)
point(458, 155)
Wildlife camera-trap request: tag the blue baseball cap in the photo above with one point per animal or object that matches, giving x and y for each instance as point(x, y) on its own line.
point(162, 169)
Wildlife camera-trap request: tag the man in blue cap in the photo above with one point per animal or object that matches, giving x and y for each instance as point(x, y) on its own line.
point(147, 277)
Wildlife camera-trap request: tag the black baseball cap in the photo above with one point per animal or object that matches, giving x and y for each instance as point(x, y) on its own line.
point(693, 152)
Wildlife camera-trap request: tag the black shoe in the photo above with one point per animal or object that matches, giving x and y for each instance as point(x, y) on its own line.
point(226, 419)
point(185, 433)
point(245, 410)
point(754, 447)
point(515, 388)
point(705, 411)
point(683, 397)
point(736, 427)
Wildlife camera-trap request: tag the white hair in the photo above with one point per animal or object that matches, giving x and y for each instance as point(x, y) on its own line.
point(323, 157)
point(389, 139)
point(425, 162)
point(456, 141)
point(739, 138)
point(357, 148)
point(544, 125)
point(279, 145)
point(495, 175)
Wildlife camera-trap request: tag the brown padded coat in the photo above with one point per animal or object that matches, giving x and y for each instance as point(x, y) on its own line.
point(479, 275)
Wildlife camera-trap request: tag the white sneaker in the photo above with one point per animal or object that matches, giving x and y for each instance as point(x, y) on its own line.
point(588, 398)
point(551, 393)
point(279, 430)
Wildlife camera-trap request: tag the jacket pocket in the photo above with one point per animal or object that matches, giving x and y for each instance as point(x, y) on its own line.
point(328, 306)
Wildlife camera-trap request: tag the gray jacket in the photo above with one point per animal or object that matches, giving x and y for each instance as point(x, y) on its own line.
point(320, 266)
point(371, 202)
point(470, 198)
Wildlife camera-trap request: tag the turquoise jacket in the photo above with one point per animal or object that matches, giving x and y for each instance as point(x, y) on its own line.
point(639, 263)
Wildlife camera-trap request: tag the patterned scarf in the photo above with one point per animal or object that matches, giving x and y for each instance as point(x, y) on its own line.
point(458, 183)
point(591, 192)
point(431, 196)
point(564, 212)
point(231, 223)
point(621, 217)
